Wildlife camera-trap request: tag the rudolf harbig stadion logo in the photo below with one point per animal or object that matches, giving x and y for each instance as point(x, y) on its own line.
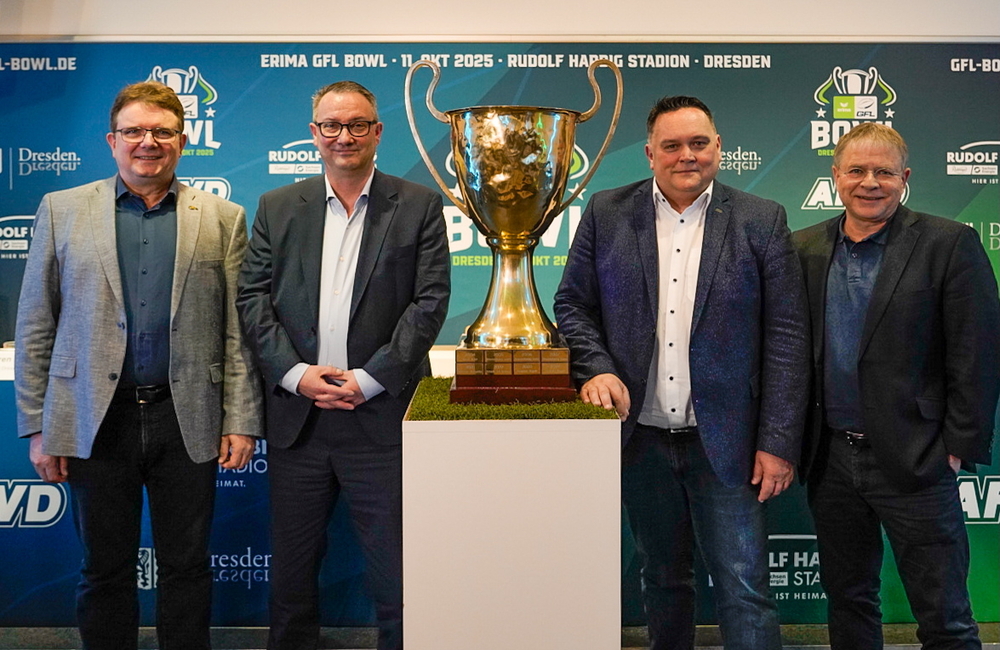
point(197, 97)
point(849, 97)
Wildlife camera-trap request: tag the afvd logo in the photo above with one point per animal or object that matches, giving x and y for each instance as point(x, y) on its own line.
point(195, 94)
point(851, 96)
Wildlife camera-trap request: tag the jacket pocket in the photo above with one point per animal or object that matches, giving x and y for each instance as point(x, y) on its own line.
point(62, 366)
point(931, 409)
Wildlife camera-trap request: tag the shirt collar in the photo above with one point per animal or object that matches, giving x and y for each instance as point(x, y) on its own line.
point(330, 194)
point(700, 203)
point(879, 237)
point(121, 189)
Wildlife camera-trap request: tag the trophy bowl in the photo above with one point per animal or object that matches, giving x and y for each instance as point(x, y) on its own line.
point(512, 166)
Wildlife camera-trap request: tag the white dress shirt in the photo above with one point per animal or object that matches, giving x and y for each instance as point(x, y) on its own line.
point(679, 237)
point(341, 248)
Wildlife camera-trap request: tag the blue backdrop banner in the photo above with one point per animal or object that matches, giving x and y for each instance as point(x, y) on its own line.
point(780, 109)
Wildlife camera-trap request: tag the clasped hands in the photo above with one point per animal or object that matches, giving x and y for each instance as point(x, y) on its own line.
point(331, 388)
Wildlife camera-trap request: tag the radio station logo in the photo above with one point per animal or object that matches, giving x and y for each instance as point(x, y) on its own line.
point(31, 503)
point(976, 159)
point(145, 568)
point(237, 478)
point(15, 236)
point(212, 184)
point(298, 157)
point(823, 195)
point(980, 497)
point(197, 97)
point(847, 98)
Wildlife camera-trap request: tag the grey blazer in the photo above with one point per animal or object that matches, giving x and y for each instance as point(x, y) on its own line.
point(71, 336)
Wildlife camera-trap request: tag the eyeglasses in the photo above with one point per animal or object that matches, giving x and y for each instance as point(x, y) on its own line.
point(138, 134)
point(333, 129)
point(880, 175)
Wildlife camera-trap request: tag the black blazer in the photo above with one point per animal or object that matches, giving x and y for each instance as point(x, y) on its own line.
point(400, 299)
point(929, 359)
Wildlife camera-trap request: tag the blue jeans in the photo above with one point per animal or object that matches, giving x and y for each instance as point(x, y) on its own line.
point(675, 503)
point(851, 500)
point(141, 445)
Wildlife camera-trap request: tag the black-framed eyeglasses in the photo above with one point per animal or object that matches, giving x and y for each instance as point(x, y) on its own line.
point(138, 134)
point(333, 129)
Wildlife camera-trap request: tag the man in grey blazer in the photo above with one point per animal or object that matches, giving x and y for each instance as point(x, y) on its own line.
point(906, 350)
point(343, 292)
point(131, 370)
point(683, 306)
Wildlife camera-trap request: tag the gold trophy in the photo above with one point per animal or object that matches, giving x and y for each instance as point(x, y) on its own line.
point(512, 164)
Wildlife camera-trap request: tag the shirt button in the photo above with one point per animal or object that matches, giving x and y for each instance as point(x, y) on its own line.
point(670, 344)
point(671, 311)
point(113, 376)
point(673, 410)
point(336, 292)
point(671, 378)
point(144, 271)
point(142, 302)
point(145, 241)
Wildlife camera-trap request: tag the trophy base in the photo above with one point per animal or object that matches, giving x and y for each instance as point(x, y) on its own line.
point(505, 376)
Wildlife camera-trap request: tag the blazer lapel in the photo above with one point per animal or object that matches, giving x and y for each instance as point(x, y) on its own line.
point(382, 202)
point(717, 218)
point(819, 252)
point(309, 218)
point(188, 229)
point(644, 222)
point(101, 211)
point(902, 238)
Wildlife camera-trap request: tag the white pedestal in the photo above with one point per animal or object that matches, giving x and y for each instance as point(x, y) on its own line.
point(511, 535)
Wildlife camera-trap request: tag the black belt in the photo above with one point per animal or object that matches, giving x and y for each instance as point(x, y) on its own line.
point(853, 438)
point(673, 432)
point(143, 394)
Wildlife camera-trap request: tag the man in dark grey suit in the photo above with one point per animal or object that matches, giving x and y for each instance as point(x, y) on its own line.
point(343, 292)
point(906, 347)
point(683, 306)
point(131, 370)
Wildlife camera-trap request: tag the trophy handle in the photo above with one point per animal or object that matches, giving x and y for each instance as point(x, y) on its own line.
point(441, 117)
point(607, 63)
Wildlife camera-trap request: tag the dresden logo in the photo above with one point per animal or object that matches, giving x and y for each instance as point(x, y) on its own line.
point(847, 98)
point(197, 97)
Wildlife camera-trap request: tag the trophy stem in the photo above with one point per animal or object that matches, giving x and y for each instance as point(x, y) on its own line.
point(512, 316)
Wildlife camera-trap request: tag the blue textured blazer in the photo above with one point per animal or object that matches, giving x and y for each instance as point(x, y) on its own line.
point(749, 350)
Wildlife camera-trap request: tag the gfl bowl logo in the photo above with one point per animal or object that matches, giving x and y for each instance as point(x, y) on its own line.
point(852, 96)
point(195, 93)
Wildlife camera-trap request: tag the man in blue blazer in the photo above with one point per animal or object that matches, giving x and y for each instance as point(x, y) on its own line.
point(906, 347)
point(343, 291)
point(683, 306)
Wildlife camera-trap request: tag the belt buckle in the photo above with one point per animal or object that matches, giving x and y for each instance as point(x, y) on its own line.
point(856, 439)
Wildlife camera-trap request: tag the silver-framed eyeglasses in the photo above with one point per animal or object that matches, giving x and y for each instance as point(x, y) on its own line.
point(881, 175)
point(358, 128)
point(136, 134)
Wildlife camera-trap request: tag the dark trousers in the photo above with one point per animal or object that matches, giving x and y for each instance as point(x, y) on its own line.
point(676, 503)
point(333, 457)
point(141, 445)
point(851, 501)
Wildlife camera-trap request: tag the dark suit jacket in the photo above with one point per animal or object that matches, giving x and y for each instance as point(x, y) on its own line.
point(929, 360)
point(749, 349)
point(400, 299)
